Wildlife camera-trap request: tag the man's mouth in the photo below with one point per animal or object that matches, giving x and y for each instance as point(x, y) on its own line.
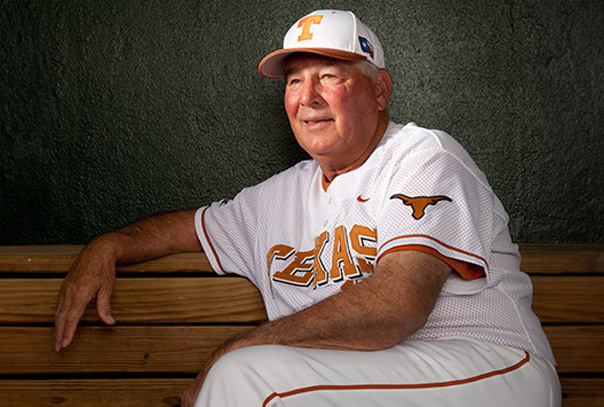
point(317, 121)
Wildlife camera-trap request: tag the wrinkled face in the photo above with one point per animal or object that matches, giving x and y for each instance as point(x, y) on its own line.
point(332, 108)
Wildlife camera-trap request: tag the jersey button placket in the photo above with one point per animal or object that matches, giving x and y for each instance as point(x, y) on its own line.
point(327, 213)
point(330, 213)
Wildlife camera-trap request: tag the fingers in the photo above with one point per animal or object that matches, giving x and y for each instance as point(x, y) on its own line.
point(59, 322)
point(91, 276)
point(103, 305)
point(72, 304)
point(67, 316)
point(77, 292)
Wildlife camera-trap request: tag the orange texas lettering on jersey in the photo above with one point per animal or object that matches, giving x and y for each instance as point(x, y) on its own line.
point(343, 255)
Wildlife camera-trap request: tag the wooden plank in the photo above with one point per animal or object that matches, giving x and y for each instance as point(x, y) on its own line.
point(49, 249)
point(576, 392)
point(184, 349)
point(197, 299)
point(577, 349)
point(168, 349)
point(93, 392)
point(567, 259)
point(141, 300)
point(560, 247)
point(59, 259)
point(582, 392)
point(565, 299)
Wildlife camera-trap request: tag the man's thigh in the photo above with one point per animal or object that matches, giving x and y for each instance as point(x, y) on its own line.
point(445, 372)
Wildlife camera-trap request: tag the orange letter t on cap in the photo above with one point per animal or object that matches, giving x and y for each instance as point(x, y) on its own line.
point(305, 23)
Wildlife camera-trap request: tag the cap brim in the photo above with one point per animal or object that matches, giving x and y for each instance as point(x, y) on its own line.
point(273, 65)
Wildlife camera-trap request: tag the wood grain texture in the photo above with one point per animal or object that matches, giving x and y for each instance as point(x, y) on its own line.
point(582, 392)
point(94, 392)
point(556, 299)
point(562, 259)
point(141, 300)
point(562, 299)
point(168, 349)
point(58, 259)
point(185, 349)
point(577, 349)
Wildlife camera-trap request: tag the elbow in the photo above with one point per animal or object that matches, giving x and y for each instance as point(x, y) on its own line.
point(407, 328)
point(392, 331)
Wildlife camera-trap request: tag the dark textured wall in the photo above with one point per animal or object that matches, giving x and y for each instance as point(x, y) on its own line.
point(114, 110)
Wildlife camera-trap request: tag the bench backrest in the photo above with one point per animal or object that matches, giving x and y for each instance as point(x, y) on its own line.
point(173, 312)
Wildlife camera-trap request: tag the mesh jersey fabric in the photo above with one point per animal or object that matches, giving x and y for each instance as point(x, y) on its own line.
point(419, 190)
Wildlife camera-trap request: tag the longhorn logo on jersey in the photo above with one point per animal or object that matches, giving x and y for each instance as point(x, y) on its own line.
point(340, 256)
point(419, 203)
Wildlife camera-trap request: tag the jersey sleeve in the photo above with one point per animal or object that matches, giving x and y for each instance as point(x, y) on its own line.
point(226, 230)
point(438, 202)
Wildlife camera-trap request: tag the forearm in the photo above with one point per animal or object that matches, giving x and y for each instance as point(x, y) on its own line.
point(375, 314)
point(350, 320)
point(149, 238)
point(330, 324)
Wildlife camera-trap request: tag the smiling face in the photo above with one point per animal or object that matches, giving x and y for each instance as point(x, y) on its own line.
point(336, 112)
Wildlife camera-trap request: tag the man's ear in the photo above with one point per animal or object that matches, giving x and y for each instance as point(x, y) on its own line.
point(383, 87)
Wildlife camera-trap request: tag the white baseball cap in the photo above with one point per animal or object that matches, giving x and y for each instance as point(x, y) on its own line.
point(333, 33)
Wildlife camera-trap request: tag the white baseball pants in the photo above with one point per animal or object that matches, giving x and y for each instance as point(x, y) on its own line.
point(443, 372)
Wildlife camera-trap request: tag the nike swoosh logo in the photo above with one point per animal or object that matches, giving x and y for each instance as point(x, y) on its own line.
point(361, 199)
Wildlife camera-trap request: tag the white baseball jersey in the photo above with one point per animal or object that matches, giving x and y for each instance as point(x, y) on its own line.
point(300, 240)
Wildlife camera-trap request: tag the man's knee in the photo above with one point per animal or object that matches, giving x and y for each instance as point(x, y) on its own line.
point(245, 376)
point(248, 364)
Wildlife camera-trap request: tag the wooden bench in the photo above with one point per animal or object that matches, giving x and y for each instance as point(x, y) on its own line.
point(172, 312)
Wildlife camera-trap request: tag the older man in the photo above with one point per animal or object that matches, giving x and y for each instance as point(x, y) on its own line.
point(385, 262)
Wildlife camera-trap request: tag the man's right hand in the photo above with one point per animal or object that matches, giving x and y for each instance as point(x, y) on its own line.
point(92, 276)
point(93, 273)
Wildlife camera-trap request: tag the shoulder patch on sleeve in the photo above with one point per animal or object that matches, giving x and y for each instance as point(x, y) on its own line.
point(419, 203)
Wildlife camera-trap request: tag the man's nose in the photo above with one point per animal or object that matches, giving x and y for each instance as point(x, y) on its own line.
point(310, 94)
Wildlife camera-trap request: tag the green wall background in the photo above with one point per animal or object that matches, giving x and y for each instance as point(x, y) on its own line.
point(113, 110)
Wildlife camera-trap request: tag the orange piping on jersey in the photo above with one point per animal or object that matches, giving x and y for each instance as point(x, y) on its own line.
point(205, 232)
point(440, 243)
point(477, 378)
point(467, 270)
point(325, 183)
